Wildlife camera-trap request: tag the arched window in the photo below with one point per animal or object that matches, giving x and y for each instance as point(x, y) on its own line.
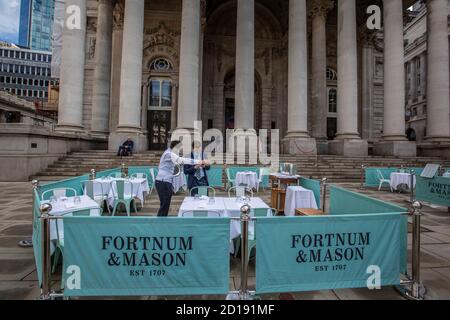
point(160, 93)
point(160, 64)
point(331, 75)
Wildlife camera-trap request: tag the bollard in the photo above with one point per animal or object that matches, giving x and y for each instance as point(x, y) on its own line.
point(124, 171)
point(413, 178)
point(417, 287)
point(412, 288)
point(363, 173)
point(46, 260)
point(245, 221)
point(324, 194)
point(36, 186)
point(92, 176)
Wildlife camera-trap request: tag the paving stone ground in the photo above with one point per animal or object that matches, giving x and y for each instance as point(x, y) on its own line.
point(18, 272)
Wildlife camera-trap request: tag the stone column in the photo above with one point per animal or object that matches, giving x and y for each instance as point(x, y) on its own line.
point(348, 142)
point(298, 140)
point(116, 61)
point(438, 120)
point(245, 65)
point(423, 73)
point(131, 76)
point(70, 108)
point(318, 11)
point(394, 137)
point(412, 79)
point(145, 96)
point(173, 115)
point(188, 94)
point(102, 72)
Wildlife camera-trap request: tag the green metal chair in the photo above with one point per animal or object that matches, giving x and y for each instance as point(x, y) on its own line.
point(230, 181)
point(139, 175)
point(115, 175)
point(201, 213)
point(89, 187)
point(204, 191)
point(151, 182)
point(258, 213)
point(59, 192)
point(123, 198)
point(240, 191)
point(263, 172)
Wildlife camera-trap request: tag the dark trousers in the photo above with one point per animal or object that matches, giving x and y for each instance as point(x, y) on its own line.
point(124, 151)
point(165, 192)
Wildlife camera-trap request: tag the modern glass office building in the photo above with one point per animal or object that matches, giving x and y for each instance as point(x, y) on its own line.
point(36, 24)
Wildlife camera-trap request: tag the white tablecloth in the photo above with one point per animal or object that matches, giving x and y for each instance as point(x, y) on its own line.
point(60, 208)
point(102, 185)
point(299, 198)
point(247, 178)
point(139, 187)
point(179, 182)
point(398, 178)
point(226, 207)
point(446, 175)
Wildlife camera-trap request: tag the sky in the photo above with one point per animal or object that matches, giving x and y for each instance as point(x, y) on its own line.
point(9, 20)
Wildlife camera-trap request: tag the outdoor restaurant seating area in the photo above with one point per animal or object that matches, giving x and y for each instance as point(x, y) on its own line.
point(253, 227)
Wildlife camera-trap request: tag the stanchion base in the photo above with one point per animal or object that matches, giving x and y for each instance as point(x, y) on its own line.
point(236, 296)
point(52, 296)
point(407, 292)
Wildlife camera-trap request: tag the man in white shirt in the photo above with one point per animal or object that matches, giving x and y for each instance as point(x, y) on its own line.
point(164, 179)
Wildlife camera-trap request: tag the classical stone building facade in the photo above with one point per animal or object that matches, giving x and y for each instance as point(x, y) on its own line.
point(310, 68)
point(416, 72)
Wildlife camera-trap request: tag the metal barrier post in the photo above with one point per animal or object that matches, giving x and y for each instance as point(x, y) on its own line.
point(46, 262)
point(36, 186)
point(413, 178)
point(363, 173)
point(417, 289)
point(414, 289)
point(122, 170)
point(324, 194)
point(245, 221)
point(92, 176)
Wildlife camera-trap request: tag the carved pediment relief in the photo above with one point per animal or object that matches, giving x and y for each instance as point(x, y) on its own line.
point(160, 36)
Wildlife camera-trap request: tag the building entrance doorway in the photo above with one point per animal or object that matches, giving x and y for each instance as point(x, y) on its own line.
point(158, 129)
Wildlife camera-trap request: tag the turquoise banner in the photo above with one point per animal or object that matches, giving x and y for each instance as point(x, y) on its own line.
point(37, 236)
point(346, 202)
point(343, 201)
point(145, 256)
point(436, 190)
point(314, 186)
point(319, 253)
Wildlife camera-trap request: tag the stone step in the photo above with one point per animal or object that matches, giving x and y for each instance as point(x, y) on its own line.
point(335, 168)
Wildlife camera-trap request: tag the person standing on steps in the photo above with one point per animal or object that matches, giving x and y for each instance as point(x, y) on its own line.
point(164, 179)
